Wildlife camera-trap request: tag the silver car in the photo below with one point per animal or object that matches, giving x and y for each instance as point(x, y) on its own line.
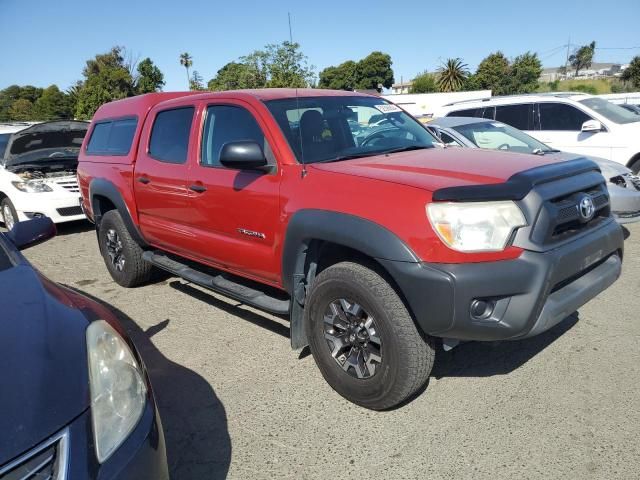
point(623, 185)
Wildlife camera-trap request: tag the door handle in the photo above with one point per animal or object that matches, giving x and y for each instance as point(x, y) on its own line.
point(198, 188)
point(144, 179)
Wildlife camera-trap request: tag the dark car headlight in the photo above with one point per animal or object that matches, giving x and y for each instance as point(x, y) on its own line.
point(118, 390)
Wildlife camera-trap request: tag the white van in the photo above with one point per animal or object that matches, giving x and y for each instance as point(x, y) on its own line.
point(571, 122)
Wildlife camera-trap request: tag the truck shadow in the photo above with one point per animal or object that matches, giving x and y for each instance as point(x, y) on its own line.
point(79, 226)
point(485, 359)
point(260, 320)
point(193, 418)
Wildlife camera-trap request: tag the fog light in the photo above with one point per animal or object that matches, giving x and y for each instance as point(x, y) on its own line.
point(481, 309)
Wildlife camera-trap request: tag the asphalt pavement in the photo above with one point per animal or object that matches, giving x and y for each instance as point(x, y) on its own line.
point(237, 402)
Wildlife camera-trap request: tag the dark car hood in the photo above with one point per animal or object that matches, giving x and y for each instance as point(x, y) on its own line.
point(48, 140)
point(43, 360)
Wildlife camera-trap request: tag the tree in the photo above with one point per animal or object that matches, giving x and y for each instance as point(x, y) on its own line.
point(452, 75)
point(150, 79)
point(374, 70)
point(53, 104)
point(186, 61)
point(287, 66)
point(582, 57)
point(21, 109)
point(524, 73)
point(106, 79)
point(235, 76)
point(278, 65)
point(342, 77)
point(196, 82)
point(424, 83)
point(493, 74)
point(367, 74)
point(632, 72)
point(7, 97)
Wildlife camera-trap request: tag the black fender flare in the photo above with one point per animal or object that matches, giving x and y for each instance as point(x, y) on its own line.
point(105, 188)
point(309, 225)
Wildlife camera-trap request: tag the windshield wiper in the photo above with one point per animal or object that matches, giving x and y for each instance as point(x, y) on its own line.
point(406, 148)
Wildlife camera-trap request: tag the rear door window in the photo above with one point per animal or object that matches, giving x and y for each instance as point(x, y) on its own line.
point(560, 116)
point(170, 135)
point(113, 137)
point(518, 116)
point(469, 112)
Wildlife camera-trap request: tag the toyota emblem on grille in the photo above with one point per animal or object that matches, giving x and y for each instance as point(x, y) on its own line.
point(586, 208)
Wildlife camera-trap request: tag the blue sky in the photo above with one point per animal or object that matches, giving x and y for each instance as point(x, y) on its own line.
point(46, 41)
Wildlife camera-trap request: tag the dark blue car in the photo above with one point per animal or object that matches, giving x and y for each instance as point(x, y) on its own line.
point(75, 399)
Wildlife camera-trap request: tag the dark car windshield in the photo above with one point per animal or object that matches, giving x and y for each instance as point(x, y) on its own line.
point(332, 128)
point(498, 136)
point(610, 111)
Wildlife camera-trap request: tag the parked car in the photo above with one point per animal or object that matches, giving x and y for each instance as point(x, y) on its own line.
point(623, 185)
point(375, 247)
point(570, 122)
point(38, 171)
point(632, 108)
point(76, 401)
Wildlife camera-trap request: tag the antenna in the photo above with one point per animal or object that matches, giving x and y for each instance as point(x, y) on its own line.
point(304, 166)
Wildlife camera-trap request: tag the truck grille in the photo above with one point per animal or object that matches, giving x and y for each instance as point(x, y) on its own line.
point(69, 183)
point(48, 461)
point(567, 214)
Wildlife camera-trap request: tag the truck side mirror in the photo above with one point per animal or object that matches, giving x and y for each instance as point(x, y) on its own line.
point(243, 155)
point(592, 126)
point(32, 232)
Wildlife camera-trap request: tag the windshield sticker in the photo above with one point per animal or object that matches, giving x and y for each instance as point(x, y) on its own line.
point(388, 108)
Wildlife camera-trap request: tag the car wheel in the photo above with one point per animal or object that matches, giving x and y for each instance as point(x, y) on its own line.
point(363, 338)
point(9, 214)
point(122, 255)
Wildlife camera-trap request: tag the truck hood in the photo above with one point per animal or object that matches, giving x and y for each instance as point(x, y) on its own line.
point(43, 360)
point(436, 168)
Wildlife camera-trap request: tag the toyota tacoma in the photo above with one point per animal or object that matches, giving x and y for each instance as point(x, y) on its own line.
point(343, 212)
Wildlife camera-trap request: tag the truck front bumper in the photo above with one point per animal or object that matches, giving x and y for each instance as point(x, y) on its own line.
point(510, 299)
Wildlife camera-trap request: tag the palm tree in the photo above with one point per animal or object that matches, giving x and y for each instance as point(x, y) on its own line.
point(452, 74)
point(186, 61)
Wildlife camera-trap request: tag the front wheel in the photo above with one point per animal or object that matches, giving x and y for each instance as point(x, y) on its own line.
point(363, 339)
point(122, 255)
point(9, 214)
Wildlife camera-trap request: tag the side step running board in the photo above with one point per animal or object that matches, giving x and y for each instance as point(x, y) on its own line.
point(219, 283)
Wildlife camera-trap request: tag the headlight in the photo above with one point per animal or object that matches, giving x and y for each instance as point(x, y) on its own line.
point(118, 391)
point(475, 227)
point(32, 186)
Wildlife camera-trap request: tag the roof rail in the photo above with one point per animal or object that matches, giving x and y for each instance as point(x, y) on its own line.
point(534, 94)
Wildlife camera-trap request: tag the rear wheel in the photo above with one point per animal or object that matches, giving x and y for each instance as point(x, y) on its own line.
point(363, 339)
point(9, 214)
point(121, 254)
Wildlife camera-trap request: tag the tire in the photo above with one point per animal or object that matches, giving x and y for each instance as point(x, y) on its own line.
point(121, 254)
point(6, 209)
point(400, 356)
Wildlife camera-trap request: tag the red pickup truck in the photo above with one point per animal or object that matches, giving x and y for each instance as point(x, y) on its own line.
point(341, 211)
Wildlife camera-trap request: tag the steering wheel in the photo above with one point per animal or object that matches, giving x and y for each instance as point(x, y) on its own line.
point(504, 146)
point(372, 138)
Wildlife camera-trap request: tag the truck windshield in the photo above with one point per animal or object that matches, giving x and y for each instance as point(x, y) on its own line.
point(610, 111)
point(324, 129)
